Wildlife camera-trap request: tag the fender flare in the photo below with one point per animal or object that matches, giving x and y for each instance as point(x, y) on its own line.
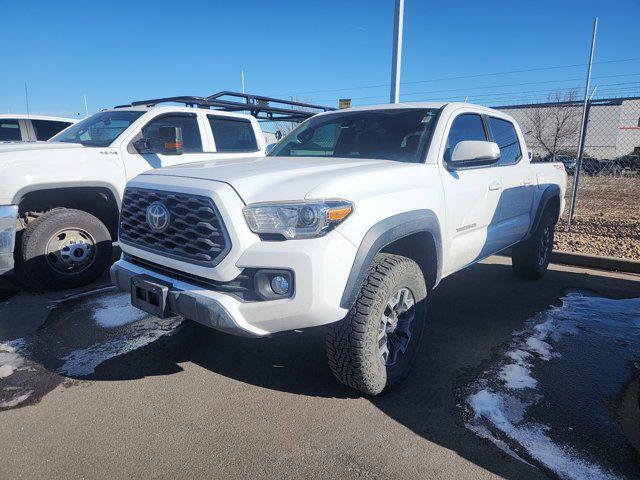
point(549, 193)
point(382, 234)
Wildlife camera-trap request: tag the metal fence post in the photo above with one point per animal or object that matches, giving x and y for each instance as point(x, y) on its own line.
point(583, 127)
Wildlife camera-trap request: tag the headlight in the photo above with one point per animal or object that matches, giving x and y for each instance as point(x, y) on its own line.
point(296, 219)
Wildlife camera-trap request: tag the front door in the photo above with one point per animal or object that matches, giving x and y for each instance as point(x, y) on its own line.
point(192, 151)
point(471, 197)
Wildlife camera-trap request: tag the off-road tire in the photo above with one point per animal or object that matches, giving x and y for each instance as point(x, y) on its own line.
point(352, 343)
point(528, 258)
point(33, 270)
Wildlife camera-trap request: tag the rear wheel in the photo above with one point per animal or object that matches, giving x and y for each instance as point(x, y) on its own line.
point(530, 258)
point(372, 348)
point(63, 248)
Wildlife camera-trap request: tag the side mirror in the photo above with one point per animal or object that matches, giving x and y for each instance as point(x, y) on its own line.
point(170, 140)
point(142, 145)
point(474, 153)
point(270, 147)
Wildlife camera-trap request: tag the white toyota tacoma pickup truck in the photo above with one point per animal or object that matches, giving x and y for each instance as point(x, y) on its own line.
point(59, 200)
point(350, 221)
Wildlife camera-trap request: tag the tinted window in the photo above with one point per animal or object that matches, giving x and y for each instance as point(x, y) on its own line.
point(504, 134)
point(467, 126)
point(98, 130)
point(233, 135)
point(9, 130)
point(389, 134)
point(45, 129)
point(190, 132)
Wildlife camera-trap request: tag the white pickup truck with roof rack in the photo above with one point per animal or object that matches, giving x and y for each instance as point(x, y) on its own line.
point(353, 218)
point(59, 200)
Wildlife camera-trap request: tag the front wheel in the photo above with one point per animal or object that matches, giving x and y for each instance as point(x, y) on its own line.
point(63, 248)
point(530, 258)
point(372, 348)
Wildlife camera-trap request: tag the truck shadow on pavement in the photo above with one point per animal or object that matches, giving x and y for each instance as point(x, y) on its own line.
point(470, 315)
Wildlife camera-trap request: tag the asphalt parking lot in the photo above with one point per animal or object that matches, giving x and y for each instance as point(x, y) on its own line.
point(98, 390)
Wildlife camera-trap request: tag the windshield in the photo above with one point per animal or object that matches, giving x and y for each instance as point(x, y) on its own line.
point(398, 134)
point(98, 130)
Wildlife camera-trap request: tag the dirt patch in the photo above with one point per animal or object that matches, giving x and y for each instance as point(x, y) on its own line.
point(606, 220)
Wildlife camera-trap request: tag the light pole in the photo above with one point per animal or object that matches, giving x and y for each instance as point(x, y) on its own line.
point(396, 61)
point(583, 126)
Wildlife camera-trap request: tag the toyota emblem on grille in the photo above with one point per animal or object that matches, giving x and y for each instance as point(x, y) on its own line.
point(158, 217)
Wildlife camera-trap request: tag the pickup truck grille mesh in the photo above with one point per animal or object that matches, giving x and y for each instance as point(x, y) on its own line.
point(195, 234)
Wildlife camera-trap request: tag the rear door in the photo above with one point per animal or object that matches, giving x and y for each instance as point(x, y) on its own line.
point(43, 130)
point(12, 130)
point(233, 137)
point(471, 196)
point(517, 183)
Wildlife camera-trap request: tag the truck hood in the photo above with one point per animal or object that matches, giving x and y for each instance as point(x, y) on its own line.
point(285, 178)
point(35, 146)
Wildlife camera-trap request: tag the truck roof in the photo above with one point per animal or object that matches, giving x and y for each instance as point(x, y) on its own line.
point(23, 116)
point(173, 108)
point(434, 105)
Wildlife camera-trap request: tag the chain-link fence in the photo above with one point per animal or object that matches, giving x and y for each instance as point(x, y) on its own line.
point(607, 213)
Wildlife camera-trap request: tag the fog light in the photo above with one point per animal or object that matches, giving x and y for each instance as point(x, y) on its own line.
point(273, 284)
point(280, 285)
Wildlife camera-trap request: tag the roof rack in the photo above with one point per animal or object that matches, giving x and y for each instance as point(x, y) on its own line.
point(263, 108)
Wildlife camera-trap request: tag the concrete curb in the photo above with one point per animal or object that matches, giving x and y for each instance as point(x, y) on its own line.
point(598, 262)
point(611, 264)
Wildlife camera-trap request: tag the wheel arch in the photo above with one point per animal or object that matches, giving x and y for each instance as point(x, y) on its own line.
point(99, 200)
point(550, 199)
point(399, 234)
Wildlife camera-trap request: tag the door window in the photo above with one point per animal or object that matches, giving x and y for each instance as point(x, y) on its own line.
point(191, 140)
point(233, 134)
point(504, 134)
point(9, 130)
point(468, 126)
point(45, 129)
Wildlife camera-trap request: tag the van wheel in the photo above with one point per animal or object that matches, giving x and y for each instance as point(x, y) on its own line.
point(530, 258)
point(63, 248)
point(372, 348)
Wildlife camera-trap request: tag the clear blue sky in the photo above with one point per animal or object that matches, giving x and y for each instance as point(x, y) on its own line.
point(117, 51)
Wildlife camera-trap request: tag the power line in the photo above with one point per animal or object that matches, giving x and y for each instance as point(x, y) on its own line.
point(484, 87)
point(460, 77)
point(540, 92)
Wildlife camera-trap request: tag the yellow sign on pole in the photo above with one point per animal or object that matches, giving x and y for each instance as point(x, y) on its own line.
point(344, 103)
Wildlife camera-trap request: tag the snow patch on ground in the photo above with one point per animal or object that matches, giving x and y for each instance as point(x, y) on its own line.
point(499, 400)
point(116, 310)
point(18, 399)
point(516, 375)
point(83, 361)
point(10, 359)
point(562, 460)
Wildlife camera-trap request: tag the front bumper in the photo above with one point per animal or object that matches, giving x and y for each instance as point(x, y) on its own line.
point(8, 219)
point(320, 268)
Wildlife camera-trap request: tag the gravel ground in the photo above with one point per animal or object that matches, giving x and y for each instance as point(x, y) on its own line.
point(606, 220)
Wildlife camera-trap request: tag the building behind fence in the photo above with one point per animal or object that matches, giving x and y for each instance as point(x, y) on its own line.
point(607, 215)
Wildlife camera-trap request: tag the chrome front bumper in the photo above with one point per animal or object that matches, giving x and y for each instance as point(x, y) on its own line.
point(8, 219)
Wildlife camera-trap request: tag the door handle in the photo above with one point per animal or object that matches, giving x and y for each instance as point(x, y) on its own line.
point(527, 181)
point(495, 185)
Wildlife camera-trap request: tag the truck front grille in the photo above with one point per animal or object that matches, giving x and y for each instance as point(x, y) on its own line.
point(194, 232)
